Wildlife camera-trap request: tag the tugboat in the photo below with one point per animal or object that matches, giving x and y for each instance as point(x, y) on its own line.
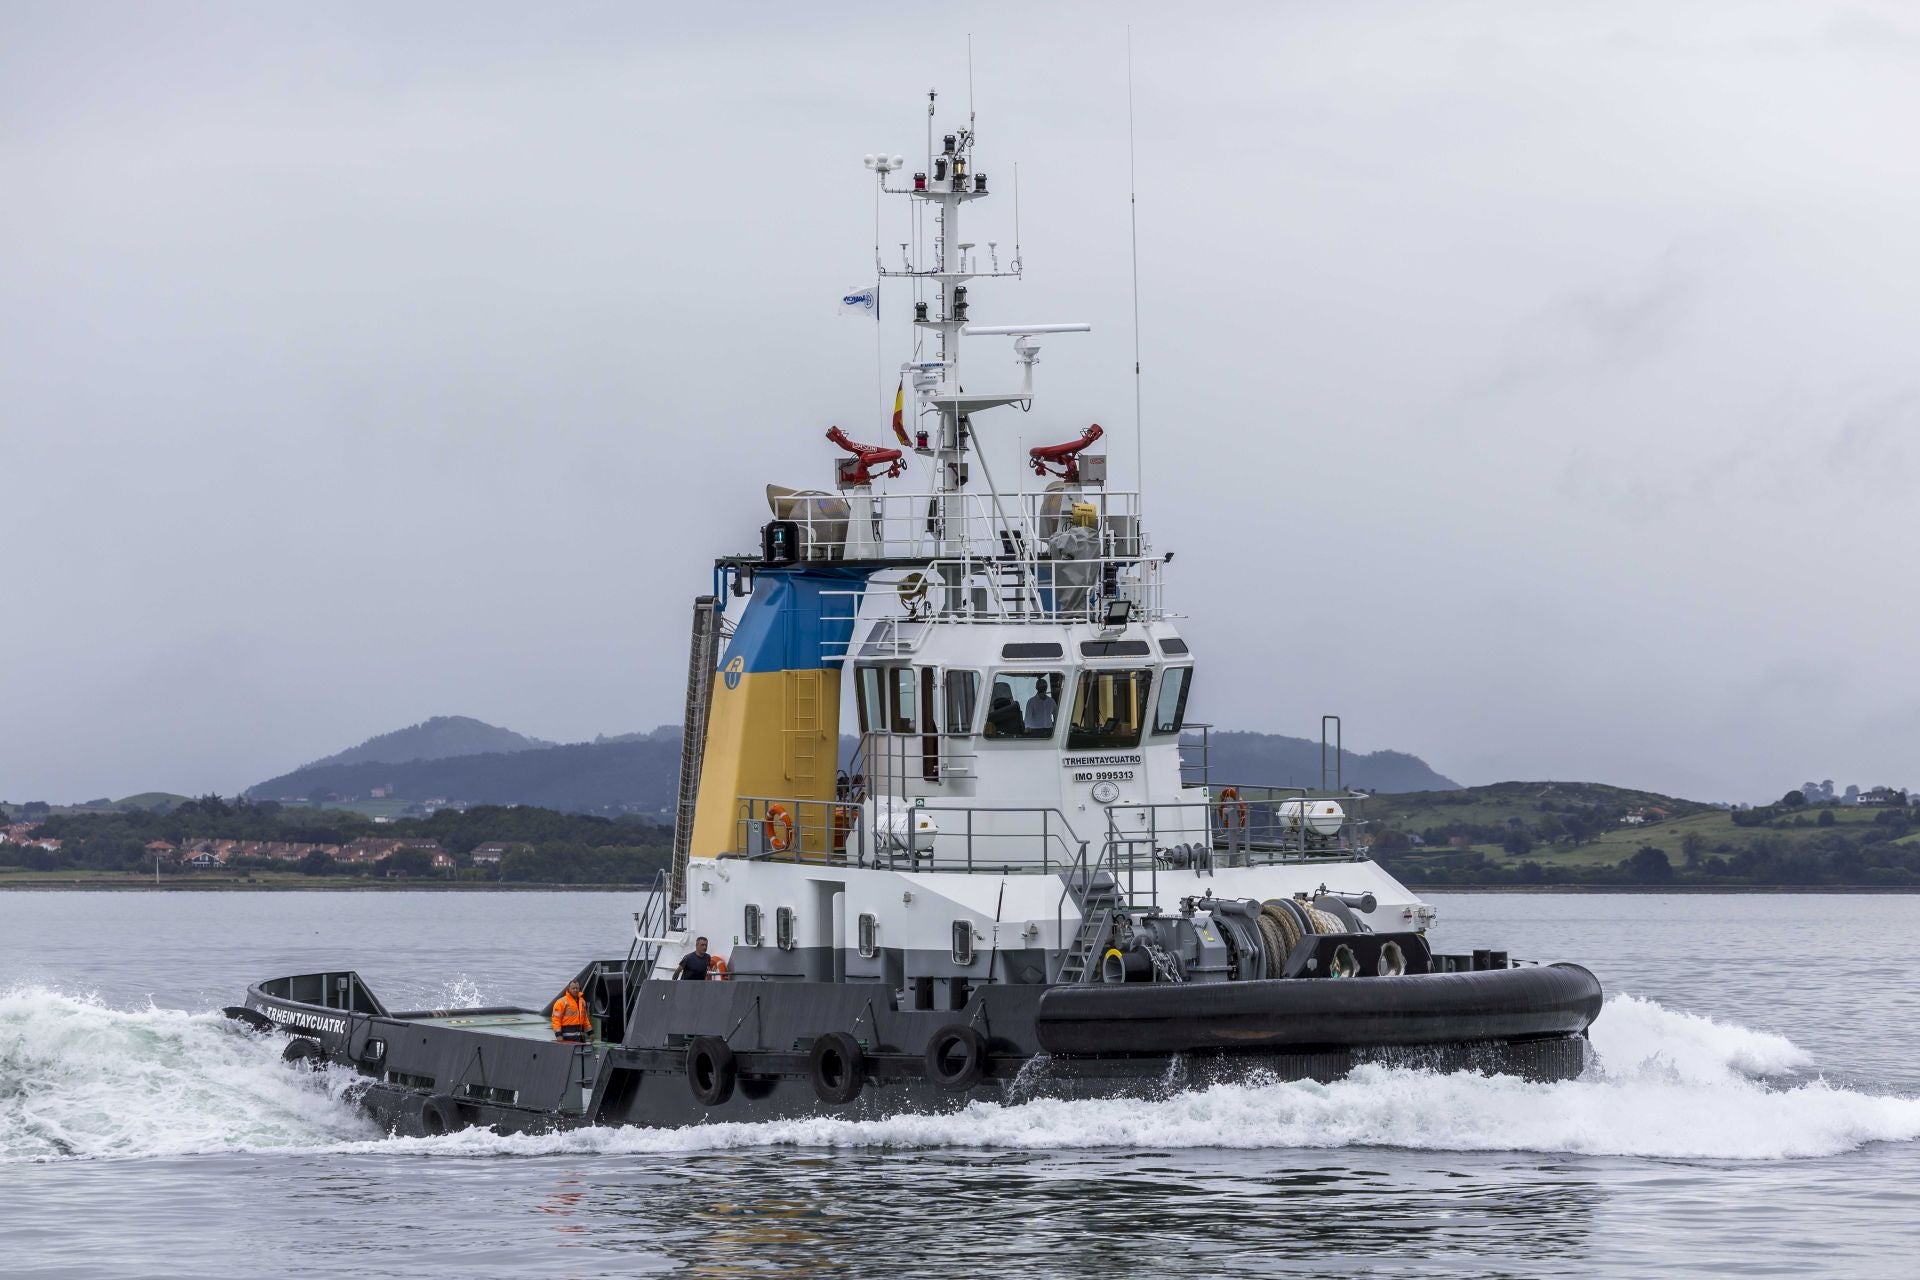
point(1024, 881)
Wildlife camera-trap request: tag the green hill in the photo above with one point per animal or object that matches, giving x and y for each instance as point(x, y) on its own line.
point(1588, 833)
point(438, 738)
point(637, 772)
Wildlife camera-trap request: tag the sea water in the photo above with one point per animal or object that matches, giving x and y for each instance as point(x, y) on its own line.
point(1753, 1108)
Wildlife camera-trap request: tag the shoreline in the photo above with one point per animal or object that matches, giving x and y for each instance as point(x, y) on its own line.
point(56, 884)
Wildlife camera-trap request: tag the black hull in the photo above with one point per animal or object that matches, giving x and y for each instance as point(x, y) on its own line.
point(1497, 1005)
point(437, 1071)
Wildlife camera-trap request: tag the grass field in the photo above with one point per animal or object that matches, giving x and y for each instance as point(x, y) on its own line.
point(1497, 805)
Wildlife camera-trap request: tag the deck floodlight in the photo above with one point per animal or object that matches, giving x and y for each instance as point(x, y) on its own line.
point(1119, 612)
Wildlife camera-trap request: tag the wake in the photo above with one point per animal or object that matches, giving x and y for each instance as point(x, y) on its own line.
point(81, 1080)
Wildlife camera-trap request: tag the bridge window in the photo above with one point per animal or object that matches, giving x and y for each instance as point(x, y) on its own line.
point(1024, 704)
point(1170, 712)
point(872, 708)
point(963, 697)
point(1109, 710)
point(902, 702)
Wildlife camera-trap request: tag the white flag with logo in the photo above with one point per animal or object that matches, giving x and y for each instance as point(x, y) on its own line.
point(866, 301)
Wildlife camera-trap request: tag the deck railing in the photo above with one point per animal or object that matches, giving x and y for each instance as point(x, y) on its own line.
point(1236, 826)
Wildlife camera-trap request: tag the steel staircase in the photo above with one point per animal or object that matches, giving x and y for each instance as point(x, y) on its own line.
point(1097, 894)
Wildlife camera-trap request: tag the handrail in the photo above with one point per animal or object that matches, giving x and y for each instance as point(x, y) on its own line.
point(838, 832)
point(648, 926)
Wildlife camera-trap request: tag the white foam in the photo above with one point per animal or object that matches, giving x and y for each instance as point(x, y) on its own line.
point(80, 1079)
point(1667, 1084)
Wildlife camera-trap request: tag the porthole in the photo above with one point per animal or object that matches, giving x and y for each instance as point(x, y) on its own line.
point(963, 942)
point(869, 935)
point(750, 927)
point(783, 928)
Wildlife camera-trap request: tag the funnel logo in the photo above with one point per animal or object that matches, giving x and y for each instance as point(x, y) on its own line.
point(732, 672)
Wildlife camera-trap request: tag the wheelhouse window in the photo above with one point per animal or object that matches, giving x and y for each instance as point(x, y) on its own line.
point(1024, 704)
point(1109, 710)
point(871, 703)
point(962, 699)
point(902, 703)
point(1170, 710)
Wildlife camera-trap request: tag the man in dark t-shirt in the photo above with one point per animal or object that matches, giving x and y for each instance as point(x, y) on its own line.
point(693, 965)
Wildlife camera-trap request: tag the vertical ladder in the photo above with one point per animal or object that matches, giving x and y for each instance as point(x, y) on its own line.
point(804, 729)
point(703, 658)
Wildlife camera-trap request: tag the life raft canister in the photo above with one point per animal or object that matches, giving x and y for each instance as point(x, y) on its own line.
point(778, 828)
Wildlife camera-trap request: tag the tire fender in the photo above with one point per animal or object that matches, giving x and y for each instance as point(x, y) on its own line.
point(440, 1115)
point(956, 1057)
point(838, 1068)
point(304, 1052)
point(711, 1071)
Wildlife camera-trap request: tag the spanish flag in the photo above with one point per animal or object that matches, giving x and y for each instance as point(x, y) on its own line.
point(899, 412)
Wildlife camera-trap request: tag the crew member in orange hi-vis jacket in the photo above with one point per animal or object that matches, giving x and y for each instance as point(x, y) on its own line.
point(570, 1020)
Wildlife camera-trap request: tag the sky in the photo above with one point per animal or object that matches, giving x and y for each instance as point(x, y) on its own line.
point(1531, 385)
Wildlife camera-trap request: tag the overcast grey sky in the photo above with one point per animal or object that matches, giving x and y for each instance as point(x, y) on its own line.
point(1532, 384)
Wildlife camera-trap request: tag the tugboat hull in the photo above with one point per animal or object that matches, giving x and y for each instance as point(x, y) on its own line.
point(697, 1053)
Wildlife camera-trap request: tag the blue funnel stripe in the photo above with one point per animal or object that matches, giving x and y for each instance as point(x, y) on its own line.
point(784, 626)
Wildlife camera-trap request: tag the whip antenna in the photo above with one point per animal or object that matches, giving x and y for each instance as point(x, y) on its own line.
point(1133, 234)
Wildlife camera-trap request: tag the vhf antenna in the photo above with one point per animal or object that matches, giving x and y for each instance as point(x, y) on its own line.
point(1133, 234)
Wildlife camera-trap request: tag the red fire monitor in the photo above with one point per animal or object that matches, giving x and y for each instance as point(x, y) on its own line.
point(1063, 455)
point(867, 460)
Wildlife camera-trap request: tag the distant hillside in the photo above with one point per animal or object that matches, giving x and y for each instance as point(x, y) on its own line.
point(1274, 759)
point(637, 772)
point(587, 777)
point(436, 739)
point(1505, 804)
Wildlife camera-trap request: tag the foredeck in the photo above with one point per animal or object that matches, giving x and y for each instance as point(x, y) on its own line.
point(523, 1024)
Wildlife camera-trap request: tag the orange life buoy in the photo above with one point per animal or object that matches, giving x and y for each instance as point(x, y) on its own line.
point(1228, 795)
point(716, 968)
point(778, 828)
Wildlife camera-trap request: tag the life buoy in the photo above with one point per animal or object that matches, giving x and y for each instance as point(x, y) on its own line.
point(716, 969)
point(838, 1068)
point(778, 828)
point(1228, 797)
point(710, 1070)
point(440, 1114)
point(956, 1057)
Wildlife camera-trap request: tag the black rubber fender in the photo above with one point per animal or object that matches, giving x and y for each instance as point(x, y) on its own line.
point(1365, 1012)
point(838, 1068)
point(252, 1019)
point(711, 1070)
point(302, 1051)
point(440, 1115)
point(956, 1057)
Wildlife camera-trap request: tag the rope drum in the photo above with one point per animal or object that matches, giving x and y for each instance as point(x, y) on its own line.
point(1284, 921)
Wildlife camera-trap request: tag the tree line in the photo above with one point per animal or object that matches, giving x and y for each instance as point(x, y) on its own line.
point(546, 846)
